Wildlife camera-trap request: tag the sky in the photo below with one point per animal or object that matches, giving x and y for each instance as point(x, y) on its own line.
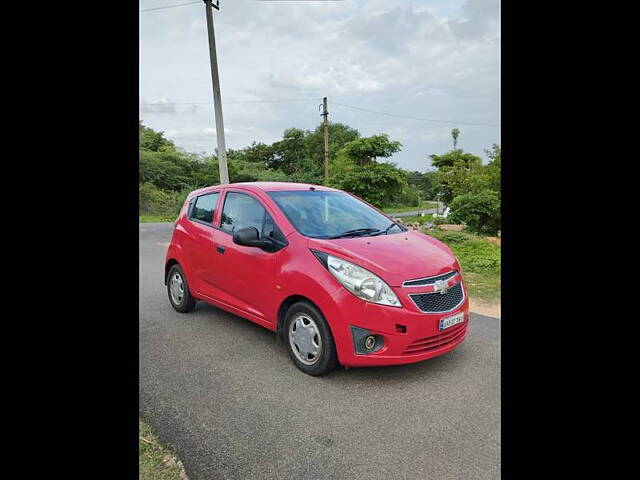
point(430, 60)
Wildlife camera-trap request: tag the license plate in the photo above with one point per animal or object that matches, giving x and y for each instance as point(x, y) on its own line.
point(450, 321)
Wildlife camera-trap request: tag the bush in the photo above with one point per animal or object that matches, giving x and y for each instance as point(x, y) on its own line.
point(478, 255)
point(154, 201)
point(442, 221)
point(410, 198)
point(475, 254)
point(480, 211)
point(450, 237)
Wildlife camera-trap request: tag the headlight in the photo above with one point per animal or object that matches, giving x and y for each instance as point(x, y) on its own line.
point(362, 283)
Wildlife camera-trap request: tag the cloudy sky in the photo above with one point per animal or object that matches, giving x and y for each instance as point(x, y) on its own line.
point(427, 59)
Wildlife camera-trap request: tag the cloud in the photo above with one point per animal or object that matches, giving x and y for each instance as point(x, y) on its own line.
point(162, 105)
point(438, 59)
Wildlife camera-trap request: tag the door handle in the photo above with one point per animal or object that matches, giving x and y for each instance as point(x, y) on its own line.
point(220, 249)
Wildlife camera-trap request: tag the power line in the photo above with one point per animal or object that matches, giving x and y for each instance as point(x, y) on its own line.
point(193, 3)
point(168, 6)
point(235, 101)
point(284, 100)
point(416, 118)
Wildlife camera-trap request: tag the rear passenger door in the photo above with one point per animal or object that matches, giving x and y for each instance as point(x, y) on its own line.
point(199, 247)
point(248, 275)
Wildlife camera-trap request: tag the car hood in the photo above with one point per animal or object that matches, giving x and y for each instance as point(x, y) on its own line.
point(395, 258)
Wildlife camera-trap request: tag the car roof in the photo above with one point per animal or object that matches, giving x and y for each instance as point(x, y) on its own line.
point(279, 186)
point(271, 186)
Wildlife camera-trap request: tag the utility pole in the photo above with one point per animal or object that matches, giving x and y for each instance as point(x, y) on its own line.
point(217, 102)
point(325, 114)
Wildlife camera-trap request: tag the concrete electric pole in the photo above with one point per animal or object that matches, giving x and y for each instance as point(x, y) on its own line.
point(217, 102)
point(325, 114)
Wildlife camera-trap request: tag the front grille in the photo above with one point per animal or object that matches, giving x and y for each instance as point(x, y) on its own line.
point(437, 341)
point(429, 280)
point(437, 302)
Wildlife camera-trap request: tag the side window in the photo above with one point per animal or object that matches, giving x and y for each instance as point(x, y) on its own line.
point(204, 207)
point(270, 229)
point(241, 210)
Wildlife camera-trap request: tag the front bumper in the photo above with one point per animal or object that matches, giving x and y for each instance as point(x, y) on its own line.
point(409, 335)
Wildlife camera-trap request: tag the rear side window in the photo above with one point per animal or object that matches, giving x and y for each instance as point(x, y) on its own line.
point(241, 211)
point(204, 207)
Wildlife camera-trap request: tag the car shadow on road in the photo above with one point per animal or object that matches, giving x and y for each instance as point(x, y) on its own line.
point(258, 337)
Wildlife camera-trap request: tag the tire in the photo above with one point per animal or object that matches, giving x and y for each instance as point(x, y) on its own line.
point(180, 300)
point(314, 335)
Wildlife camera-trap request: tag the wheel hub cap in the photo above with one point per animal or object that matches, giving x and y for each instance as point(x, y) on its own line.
point(304, 337)
point(176, 287)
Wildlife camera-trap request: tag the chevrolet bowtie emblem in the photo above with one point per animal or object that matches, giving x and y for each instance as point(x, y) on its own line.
point(441, 286)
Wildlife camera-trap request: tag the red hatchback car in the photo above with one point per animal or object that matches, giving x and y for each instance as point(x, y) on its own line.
point(335, 278)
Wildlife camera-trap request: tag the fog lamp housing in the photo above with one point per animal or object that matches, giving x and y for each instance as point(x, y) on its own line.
point(365, 342)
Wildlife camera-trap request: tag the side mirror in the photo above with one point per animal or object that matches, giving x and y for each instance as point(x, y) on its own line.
point(250, 237)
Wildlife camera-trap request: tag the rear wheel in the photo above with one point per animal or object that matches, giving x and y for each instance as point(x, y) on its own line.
point(178, 290)
point(309, 340)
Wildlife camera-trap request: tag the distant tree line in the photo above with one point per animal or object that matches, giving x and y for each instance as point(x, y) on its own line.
point(357, 164)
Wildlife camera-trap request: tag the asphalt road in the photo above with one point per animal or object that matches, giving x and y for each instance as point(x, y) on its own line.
point(414, 213)
point(224, 394)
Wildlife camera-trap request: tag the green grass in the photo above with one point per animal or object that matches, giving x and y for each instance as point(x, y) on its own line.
point(157, 218)
point(417, 219)
point(424, 204)
point(155, 461)
point(480, 261)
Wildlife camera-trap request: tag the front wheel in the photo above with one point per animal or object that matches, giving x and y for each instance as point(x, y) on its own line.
point(309, 340)
point(178, 290)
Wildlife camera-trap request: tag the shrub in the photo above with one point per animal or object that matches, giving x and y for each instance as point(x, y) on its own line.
point(475, 254)
point(451, 237)
point(154, 201)
point(480, 211)
point(478, 255)
point(410, 198)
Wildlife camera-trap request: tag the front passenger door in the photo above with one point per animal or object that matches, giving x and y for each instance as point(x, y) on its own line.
point(247, 274)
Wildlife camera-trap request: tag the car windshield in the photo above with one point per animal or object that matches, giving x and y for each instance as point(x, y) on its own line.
point(321, 214)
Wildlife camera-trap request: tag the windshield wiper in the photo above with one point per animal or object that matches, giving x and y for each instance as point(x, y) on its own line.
point(386, 231)
point(356, 231)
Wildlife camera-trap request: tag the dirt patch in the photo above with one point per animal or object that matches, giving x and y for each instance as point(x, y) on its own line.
point(450, 227)
point(490, 309)
point(494, 240)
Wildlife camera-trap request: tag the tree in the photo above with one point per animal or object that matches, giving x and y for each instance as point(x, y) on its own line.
point(378, 183)
point(166, 172)
point(245, 171)
point(290, 154)
point(422, 182)
point(494, 168)
point(455, 133)
point(471, 190)
point(364, 150)
point(339, 136)
point(450, 158)
point(154, 141)
point(458, 172)
point(355, 170)
point(255, 153)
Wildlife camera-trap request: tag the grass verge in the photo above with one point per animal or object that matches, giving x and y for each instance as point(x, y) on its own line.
point(155, 461)
point(418, 219)
point(157, 218)
point(424, 204)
